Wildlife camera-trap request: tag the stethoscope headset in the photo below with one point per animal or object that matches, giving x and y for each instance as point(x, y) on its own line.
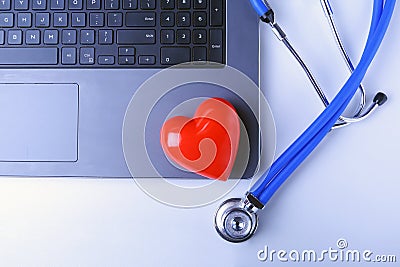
point(236, 219)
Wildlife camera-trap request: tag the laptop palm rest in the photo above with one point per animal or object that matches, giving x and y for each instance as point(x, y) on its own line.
point(39, 122)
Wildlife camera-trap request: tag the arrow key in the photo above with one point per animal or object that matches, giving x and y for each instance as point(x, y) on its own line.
point(147, 60)
point(126, 60)
point(126, 51)
point(106, 60)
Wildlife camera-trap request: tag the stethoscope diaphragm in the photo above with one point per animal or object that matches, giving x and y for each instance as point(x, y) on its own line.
point(234, 222)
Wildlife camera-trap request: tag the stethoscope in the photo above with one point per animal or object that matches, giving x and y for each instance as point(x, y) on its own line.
point(236, 219)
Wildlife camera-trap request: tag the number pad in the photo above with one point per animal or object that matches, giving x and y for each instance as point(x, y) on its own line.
point(199, 4)
point(167, 4)
point(167, 19)
point(183, 4)
point(188, 27)
point(183, 36)
point(199, 36)
point(183, 19)
point(167, 37)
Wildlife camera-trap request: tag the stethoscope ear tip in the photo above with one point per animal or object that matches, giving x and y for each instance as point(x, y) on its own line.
point(233, 222)
point(380, 98)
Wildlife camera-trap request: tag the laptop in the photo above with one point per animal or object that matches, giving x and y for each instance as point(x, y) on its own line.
point(69, 69)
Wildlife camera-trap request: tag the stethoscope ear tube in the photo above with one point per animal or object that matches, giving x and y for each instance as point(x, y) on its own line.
point(323, 123)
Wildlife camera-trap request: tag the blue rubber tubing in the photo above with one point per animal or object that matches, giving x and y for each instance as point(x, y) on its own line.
point(260, 7)
point(305, 144)
point(280, 162)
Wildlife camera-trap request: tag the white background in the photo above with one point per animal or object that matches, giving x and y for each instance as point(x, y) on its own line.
point(348, 188)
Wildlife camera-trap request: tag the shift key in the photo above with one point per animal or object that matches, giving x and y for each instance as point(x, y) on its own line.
point(28, 56)
point(136, 36)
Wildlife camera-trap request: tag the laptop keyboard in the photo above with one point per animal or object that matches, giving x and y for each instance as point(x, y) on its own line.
point(111, 33)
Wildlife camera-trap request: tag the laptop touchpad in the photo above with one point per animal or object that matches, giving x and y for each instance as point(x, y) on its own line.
point(38, 122)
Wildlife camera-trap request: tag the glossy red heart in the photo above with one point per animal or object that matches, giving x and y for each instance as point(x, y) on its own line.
point(206, 144)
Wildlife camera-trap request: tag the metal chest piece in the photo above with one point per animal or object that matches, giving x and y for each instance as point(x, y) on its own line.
point(234, 222)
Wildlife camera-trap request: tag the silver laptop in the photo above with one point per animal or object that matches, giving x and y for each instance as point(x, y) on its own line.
point(69, 68)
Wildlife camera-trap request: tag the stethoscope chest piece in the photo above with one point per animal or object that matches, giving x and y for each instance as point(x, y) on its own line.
point(233, 222)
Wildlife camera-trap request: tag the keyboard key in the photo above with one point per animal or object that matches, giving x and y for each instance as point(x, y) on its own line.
point(57, 4)
point(68, 56)
point(183, 36)
point(111, 4)
point(78, 20)
point(24, 20)
point(167, 36)
point(114, 19)
point(106, 60)
point(50, 37)
point(86, 56)
point(38, 4)
point(87, 36)
point(216, 46)
point(175, 55)
point(126, 51)
point(200, 4)
point(60, 19)
point(140, 19)
point(14, 37)
point(21, 4)
point(75, 4)
point(96, 20)
point(1, 37)
point(5, 5)
point(199, 36)
point(105, 37)
point(42, 20)
point(126, 60)
point(93, 4)
point(216, 10)
point(32, 37)
point(167, 4)
point(183, 4)
point(183, 19)
point(68, 37)
point(147, 60)
point(129, 4)
point(28, 56)
point(147, 4)
point(167, 19)
point(6, 20)
point(136, 36)
point(199, 53)
point(199, 19)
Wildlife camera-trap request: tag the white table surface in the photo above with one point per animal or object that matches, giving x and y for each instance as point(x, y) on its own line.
point(348, 188)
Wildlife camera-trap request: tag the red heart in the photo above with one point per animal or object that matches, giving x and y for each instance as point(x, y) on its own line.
point(206, 144)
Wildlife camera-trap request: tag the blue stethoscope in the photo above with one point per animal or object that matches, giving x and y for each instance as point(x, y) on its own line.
point(236, 219)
